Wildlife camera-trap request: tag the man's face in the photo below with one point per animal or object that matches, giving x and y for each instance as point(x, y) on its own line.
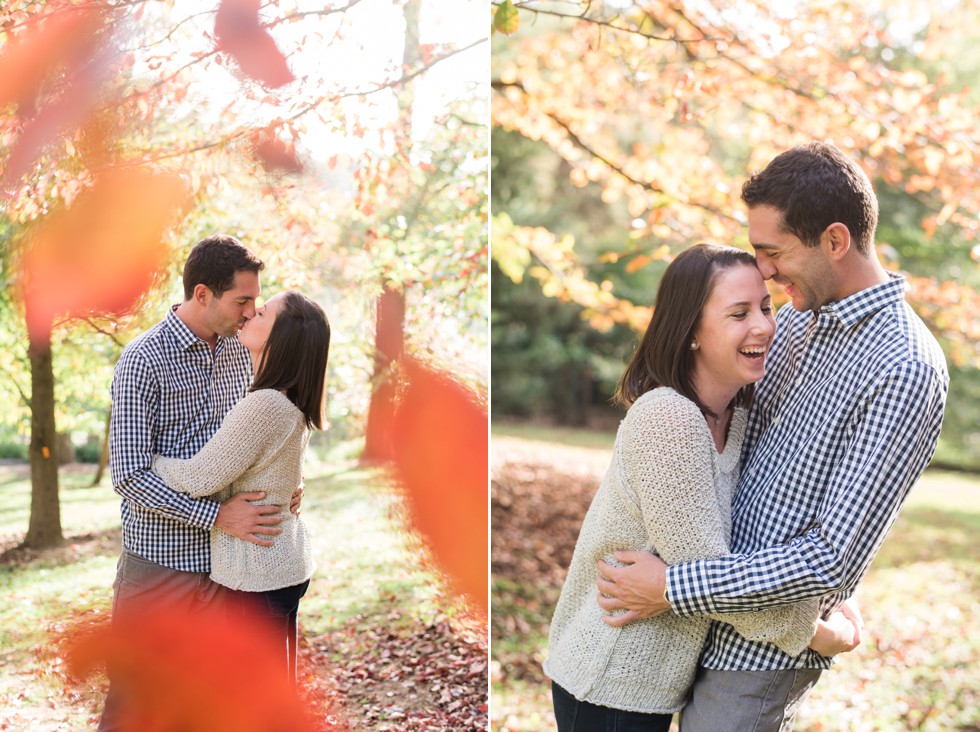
point(226, 315)
point(804, 272)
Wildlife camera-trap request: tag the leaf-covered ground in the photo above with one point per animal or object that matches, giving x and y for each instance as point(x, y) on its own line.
point(383, 645)
point(916, 670)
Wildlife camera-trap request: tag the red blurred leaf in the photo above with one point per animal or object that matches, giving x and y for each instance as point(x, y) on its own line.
point(240, 35)
point(200, 671)
point(63, 36)
point(72, 109)
point(65, 41)
point(101, 254)
point(274, 153)
point(440, 438)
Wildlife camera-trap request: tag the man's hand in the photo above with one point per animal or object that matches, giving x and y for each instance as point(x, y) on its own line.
point(841, 632)
point(639, 588)
point(243, 520)
point(294, 501)
point(849, 608)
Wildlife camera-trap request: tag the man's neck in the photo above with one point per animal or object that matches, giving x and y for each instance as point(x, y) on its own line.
point(860, 273)
point(190, 317)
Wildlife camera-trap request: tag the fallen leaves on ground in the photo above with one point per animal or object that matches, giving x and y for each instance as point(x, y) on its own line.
point(538, 497)
point(396, 673)
point(388, 672)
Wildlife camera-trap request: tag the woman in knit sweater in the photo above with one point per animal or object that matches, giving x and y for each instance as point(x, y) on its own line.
point(668, 489)
point(260, 446)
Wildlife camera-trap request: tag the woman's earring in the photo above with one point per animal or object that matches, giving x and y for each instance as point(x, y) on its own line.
point(694, 345)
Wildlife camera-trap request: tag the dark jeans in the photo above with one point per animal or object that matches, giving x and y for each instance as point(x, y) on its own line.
point(573, 715)
point(279, 608)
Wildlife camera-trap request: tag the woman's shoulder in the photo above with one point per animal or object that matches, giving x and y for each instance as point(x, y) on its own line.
point(664, 401)
point(660, 414)
point(268, 402)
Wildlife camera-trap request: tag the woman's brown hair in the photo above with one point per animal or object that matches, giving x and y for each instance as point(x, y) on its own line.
point(664, 356)
point(294, 359)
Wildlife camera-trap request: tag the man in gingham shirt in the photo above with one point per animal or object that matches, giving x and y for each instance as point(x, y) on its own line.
point(172, 387)
point(844, 422)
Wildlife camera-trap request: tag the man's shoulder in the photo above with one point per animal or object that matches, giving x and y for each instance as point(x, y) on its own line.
point(901, 334)
point(152, 338)
point(149, 354)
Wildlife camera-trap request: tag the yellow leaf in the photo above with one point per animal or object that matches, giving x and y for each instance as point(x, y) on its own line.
point(505, 19)
point(639, 263)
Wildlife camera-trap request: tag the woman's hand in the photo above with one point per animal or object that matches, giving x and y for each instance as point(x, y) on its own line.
point(841, 632)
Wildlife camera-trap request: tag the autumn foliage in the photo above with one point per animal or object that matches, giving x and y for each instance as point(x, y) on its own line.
point(666, 108)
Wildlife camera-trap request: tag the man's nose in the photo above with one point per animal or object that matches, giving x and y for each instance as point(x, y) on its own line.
point(762, 325)
point(765, 266)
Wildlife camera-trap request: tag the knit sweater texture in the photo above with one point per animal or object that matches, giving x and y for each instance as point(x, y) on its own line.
point(259, 447)
point(669, 491)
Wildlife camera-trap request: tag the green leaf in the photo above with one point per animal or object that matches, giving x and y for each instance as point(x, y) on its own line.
point(506, 19)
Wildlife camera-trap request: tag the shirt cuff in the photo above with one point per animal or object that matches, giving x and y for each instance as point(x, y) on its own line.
point(203, 513)
point(686, 592)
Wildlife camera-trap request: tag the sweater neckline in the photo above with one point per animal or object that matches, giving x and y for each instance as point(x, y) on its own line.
point(728, 458)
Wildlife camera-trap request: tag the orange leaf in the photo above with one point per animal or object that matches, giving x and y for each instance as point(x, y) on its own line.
point(240, 35)
point(66, 38)
point(440, 445)
point(62, 36)
point(201, 671)
point(273, 153)
point(102, 253)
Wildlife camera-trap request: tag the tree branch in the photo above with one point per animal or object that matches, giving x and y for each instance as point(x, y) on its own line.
point(309, 107)
point(583, 17)
point(305, 13)
point(98, 329)
point(619, 170)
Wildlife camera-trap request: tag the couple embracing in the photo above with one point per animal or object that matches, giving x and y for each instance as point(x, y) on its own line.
point(761, 462)
point(212, 410)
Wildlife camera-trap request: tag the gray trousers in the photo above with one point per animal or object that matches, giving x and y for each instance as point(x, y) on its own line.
point(747, 701)
point(139, 584)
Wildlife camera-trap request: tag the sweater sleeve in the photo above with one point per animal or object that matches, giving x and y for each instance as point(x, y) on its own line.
point(667, 461)
point(252, 429)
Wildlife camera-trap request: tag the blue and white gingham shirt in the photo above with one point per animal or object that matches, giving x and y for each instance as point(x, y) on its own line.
point(844, 422)
point(169, 396)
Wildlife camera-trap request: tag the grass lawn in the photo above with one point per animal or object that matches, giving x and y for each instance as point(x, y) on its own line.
point(919, 665)
point(377, 615)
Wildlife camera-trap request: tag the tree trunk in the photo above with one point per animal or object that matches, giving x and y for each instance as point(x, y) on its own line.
point(44, 529)
point(389, 336)
point(104, 455)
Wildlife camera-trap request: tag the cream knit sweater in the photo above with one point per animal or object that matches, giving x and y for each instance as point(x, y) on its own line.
point(667, 490)
point(259, 447)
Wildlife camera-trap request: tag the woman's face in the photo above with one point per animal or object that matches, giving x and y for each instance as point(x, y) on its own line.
point(255, 332)
point(735, 332)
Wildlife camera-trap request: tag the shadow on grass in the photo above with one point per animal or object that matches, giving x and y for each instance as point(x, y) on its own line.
point(74, 548)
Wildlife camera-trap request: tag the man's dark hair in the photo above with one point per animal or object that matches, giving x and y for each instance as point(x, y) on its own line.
point(664, 356)
point(213, 263)
point(813, 186)
point(294, 359)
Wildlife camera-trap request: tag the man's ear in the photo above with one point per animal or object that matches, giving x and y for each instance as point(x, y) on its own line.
point(836, 241)
point(202, 295)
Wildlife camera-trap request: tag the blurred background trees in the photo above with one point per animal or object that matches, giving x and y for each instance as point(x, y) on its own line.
point(622, 133)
